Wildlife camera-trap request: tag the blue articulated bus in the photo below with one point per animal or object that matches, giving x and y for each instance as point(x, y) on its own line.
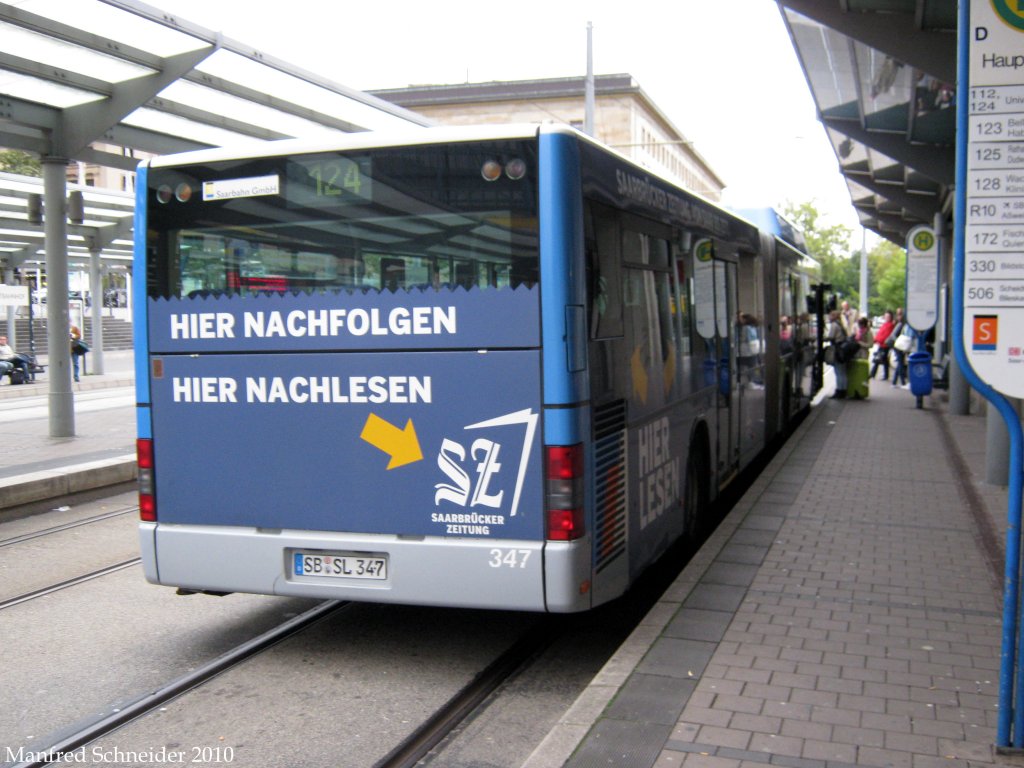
point(493, 367)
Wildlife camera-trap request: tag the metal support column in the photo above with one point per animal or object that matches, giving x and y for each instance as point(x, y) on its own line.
point(96, 289)
point(959, 390)
point(58, 334)
point(12, 313)
point(997, 446)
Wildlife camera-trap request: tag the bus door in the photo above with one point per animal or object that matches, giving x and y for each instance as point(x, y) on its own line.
point(729, 391)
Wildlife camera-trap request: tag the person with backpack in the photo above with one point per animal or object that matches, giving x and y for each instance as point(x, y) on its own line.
point(13, 363)
point(857, 364)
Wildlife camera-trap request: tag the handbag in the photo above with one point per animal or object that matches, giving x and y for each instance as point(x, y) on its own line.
point(904, 342)
point(846, 350)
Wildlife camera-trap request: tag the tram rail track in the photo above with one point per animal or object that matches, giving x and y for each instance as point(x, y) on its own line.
point(45, 756)
point(468, 701)
point(67, 526)
point(43, 591)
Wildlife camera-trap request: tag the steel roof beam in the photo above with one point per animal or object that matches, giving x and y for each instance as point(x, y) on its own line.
point(54, 74)
point(203, 117)
point(29, 113)
point(921, 207)
point(147, 141)
point(894, 34)
point(265, 99)
point(85, 123)
point(937, 163)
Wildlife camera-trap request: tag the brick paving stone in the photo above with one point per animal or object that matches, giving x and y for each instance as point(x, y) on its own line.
point(756, 723)
point(692, 760)
point(723, 737)
point(705, 716)
point(829, 750)
point(815, 698)
point(745, 704)
point(777, 745)
point(907, 742)
point(867, 737)
point(786, 710)
point(856, 625)
point(805, 729)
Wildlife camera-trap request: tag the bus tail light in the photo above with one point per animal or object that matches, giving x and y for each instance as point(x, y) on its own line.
point(564, 477)
point(147, 489)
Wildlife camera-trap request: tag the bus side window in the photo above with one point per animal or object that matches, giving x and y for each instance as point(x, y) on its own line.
point(681, 288)
point(605, 277)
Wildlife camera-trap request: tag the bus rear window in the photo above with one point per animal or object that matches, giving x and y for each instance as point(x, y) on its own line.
point(435, 217)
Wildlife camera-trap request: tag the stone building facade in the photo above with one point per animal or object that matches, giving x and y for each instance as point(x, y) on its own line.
point(625, 118)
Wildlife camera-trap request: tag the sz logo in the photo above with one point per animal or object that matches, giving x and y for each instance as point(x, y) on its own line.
point(482, 458)
point(986, 333)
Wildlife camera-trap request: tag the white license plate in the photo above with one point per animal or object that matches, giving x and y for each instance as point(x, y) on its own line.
point(351, 565)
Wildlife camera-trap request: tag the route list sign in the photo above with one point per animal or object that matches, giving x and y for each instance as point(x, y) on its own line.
point(994, 234)
point(922, 278)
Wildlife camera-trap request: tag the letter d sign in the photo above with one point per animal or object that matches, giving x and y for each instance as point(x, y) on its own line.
point(981, 33)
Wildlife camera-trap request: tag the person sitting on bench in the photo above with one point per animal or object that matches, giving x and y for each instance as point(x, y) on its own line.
point(9, 359)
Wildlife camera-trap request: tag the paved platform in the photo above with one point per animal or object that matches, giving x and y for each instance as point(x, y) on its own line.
point(35, 467)
point(846, 613)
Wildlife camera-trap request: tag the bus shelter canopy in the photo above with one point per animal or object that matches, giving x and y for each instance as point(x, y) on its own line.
point(883, 74)
point(105, 228)
point(107, 82)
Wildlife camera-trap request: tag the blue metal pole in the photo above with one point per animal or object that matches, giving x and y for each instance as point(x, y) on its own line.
point(1013, 502)
point(1011, 586)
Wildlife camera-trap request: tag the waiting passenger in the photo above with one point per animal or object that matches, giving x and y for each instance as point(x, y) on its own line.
point(834, 336)
point(857, 368)
point(901, 348)
point(848, 318)
point(884, 338)
point(9, 359)
point(78, 348)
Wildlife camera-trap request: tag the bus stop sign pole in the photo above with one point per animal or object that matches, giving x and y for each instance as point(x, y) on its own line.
point(988, 274)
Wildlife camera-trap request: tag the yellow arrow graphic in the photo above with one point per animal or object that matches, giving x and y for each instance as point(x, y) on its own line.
point(400, 444)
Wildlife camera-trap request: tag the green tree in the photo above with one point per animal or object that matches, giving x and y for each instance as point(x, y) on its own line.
point(16, 161)
point(887, 269)
point(829, 245)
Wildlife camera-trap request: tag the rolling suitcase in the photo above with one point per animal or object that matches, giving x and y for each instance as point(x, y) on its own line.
point(857, 379)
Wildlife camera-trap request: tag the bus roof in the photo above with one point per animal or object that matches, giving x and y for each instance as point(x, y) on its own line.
point(363, 140)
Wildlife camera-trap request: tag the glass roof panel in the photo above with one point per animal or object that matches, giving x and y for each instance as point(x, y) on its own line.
point(826, 60)
point(67, 56)
point(114, 23)
point(43, 91)
point(243, 110)
point(884, 81)
point(172, 125)
point(235, 68)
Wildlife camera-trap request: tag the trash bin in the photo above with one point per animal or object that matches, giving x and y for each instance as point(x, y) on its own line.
point(920, 372)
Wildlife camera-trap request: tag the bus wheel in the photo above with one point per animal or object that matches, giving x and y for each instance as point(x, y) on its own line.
point(695, 497)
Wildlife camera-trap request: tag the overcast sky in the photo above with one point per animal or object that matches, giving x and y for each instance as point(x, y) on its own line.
point(725, 73)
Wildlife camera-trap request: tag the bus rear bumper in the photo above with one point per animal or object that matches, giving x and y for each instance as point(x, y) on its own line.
point(455, 572)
